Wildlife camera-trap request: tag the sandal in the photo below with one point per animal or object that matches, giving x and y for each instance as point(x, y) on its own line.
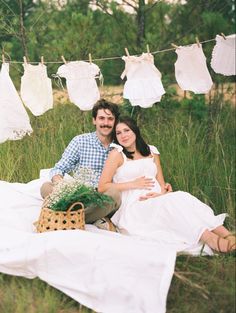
point(232, 242)
point(106, 224)
point(219, 246)
point(111, 226)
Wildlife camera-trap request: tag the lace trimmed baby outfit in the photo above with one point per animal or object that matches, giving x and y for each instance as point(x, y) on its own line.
point(36, 89)
point(191, 70)
point(143, 86)
point(81, 84)
point(14, 120)
point(223, 55)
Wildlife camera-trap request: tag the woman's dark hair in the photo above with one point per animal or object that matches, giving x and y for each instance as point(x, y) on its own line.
point(141, 145)
point(105, 105)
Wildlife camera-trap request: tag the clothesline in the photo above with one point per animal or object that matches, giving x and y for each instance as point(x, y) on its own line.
point(143, 86)
point(108, 58)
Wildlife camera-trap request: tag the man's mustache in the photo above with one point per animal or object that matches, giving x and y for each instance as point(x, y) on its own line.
point(106, 126)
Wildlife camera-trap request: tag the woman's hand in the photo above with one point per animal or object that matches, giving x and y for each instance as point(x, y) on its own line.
point(143, 183)
point(150, 195)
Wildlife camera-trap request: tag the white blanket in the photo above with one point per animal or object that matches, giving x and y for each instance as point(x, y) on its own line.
point(107, 272)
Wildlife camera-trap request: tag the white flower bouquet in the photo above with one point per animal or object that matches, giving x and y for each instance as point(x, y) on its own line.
point(79, 188)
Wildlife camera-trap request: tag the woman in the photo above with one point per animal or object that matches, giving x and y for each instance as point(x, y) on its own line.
point(148, 209)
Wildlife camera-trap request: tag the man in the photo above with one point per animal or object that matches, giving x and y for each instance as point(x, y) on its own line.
point(89, 151)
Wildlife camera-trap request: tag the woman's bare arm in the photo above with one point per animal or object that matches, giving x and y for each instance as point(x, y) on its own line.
point(165, 187)
point(115, 160)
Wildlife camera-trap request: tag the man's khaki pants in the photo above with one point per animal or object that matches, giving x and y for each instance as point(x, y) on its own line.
point(93, 212)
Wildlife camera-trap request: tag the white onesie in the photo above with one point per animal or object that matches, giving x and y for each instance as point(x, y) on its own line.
point(81, 83)
point(223, 55)
point(36, 89)
point(191, 70)
point(143, 86)
point(14, 120)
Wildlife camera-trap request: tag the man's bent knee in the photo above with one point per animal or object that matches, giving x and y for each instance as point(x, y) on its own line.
point(115, 195)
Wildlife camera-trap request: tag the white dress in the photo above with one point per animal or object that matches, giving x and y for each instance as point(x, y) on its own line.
point(143, 86)
point(81, 83)
point(14, 120)
point(223, 55)
point(36, 89)
point(191, 70)
point(175, 218)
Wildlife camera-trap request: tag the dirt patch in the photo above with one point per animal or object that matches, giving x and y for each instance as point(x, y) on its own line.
point(115, 93)
point(228, 91)
point(110, 93)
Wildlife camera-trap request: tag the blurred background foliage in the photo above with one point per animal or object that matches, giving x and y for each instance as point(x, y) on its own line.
point(75, 28)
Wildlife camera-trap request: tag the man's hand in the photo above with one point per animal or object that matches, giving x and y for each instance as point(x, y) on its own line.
point(56, 179)
point(168, 187)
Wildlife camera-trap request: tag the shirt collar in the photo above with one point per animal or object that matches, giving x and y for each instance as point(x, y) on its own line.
point(95, 140)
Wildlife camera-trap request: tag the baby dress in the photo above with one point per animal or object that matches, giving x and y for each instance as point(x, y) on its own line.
point(143, 86)
point(36, 88)
point(14, 120)
point(81, 84)
point(223, 55)
point(191, 70)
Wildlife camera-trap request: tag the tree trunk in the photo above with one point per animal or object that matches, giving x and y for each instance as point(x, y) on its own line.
point(22, 29)
point(141, 23)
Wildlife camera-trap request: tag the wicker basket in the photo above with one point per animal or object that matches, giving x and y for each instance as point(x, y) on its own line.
point(50, 220)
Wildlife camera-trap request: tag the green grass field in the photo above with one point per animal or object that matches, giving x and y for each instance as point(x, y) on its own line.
point(197, 146)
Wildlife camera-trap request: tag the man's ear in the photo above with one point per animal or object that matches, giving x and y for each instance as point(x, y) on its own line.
point(94, 121)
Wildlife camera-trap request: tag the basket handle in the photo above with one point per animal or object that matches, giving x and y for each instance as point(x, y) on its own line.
point(74, 204)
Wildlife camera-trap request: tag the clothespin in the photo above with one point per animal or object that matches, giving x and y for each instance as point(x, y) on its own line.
point(127, 52)
point(3, 58)
point(63, 59)
point(90, 58)
point(223, 35)
point(175, 46)
point(42, 60)
point(148, 50)
point(25, 60)
point(197, 41)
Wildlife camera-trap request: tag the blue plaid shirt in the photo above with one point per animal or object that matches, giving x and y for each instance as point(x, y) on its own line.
point(83, 151)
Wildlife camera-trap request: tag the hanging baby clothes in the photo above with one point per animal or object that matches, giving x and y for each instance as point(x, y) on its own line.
point(191, 70)
point(81, 83)
point(36, 88)
point(14, 120)
point(143, 86)
point(223, 55)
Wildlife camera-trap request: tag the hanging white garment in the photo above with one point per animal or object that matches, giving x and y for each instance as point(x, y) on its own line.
point(143, 86)
point(81, 83)
point(36, 88)
point(14, 120)
point(191, 70)
point(223, 55)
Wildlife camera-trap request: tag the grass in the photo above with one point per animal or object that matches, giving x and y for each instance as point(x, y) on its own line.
point(197, 146)
point(203, 285)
